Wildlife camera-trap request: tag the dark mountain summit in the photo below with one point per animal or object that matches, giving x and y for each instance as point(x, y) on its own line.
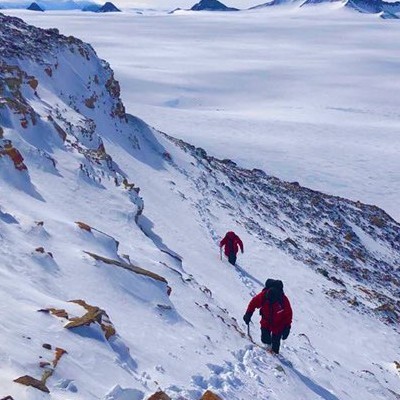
point(108, 7)
point(211, 5)
point(35, 7)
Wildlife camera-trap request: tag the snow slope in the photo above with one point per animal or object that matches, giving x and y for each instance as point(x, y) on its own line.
point(308, 95)
point(85, 159)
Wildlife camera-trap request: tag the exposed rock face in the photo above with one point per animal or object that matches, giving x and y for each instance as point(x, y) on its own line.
point(29, 65)
point(29, 381)
point(108, 7)
point(93, 315)
point(49, 369)
point(7, 149)
point(211, 5)
point(208, 395)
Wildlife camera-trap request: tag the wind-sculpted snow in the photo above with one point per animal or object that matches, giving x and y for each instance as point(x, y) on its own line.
point(357, 246)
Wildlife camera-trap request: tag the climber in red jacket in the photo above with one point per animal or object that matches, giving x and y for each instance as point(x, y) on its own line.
point(276, 314)
point(232, 242)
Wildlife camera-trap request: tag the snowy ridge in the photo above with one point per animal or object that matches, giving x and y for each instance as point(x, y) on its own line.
point(343, 240)
point(363, 6)
point(77, 244)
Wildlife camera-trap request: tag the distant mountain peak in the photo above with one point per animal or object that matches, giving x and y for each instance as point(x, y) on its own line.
point(211, 5)
point(108, 7)
point(35, 7)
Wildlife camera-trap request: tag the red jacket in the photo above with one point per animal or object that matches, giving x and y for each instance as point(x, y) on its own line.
point(232, 242)
point(274, 317)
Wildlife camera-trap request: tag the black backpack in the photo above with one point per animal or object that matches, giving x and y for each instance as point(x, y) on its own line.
point(273, 292)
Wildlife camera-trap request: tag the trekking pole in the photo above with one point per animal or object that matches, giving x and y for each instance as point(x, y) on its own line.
point(249, 334)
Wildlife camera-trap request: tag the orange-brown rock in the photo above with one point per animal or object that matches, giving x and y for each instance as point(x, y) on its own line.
point(61, 313)
point(90, 102)
point(208, 395)
point(59, 353)
point(24, 123)
point(159, 396)
point(84, 226)
point(29, 381)
point(48, 71)
point(93, 315)
point(15, 156)
point(349, 237)
point(33, 83)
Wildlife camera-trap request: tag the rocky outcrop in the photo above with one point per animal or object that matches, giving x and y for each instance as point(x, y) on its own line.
point(27, 380)
point(129, 267)
point(208, 395)
point(93, 315)
point(7, 149)
point(43, 251)
point(84, 226)
point(12, 80)
point(30, 66)
point(49, 368)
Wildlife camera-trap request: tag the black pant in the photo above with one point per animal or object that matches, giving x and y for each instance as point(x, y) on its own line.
point(232, 258)
point(275, 340)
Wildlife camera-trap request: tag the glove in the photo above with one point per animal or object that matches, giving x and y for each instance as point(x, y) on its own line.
point(247, 317)
point(285, 332)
